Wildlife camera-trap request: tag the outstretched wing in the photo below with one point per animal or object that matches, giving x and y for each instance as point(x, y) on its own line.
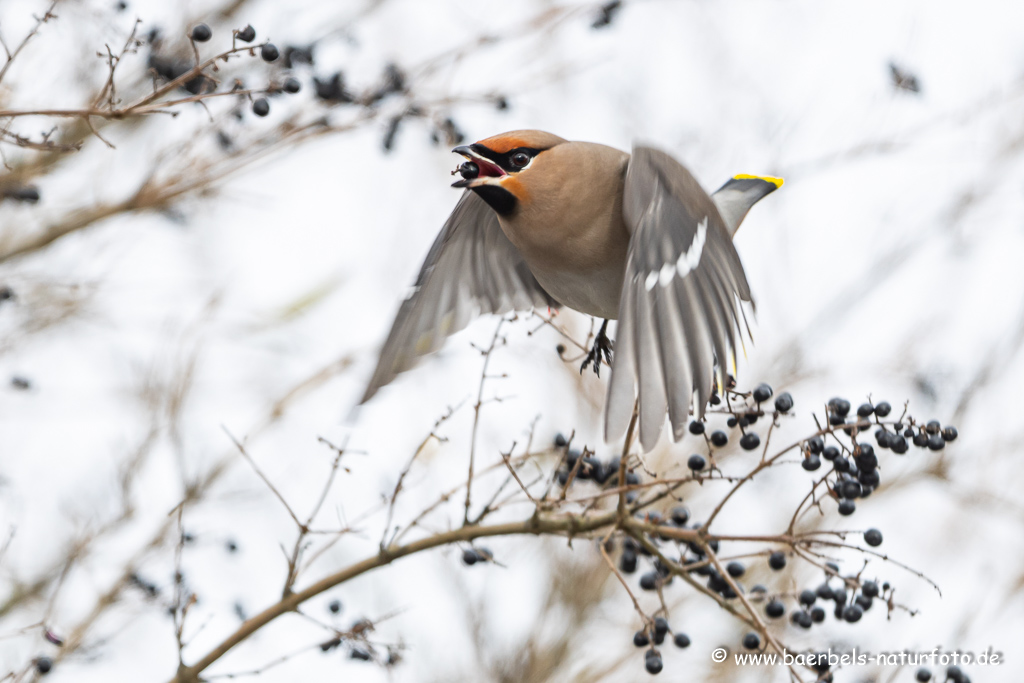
point(681, 299)
point(471, 268)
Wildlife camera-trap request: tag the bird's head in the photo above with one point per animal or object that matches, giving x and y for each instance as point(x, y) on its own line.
point(498, 168)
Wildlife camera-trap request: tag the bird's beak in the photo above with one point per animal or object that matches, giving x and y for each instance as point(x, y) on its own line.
point(488, 171)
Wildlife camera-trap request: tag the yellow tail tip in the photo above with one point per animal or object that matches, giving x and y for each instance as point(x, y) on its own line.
point(777, 182)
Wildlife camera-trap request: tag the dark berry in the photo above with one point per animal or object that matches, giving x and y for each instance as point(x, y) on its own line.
point(817, 615)
point(873, 537)
point(852, 613)
point(43, 665)
point(649, 581)
point(933, 427)
point(954, 674)
point(269, 52)
point(291, 85)
point(882, 409)
point(847, 507)
point(801, 619)
point(949, 434)
point(715, 399)
point(560, 440)
point(334, 606)
point(696, 463)
point(816, 445)
point(921, 439)
point(696, 427)
point(728, 593)
point(865, 410)
point(751, 641)
point(807, 597)
point(839, 406)
point(864, 602)
point(811, 463)
point(836, 420)
point(923, 676)
point(717, 582)
point(470, 557)
point(866, 452)
point(627, 563)
point(652, 662)
point(824, 591)
point(784, 402)
point(231, 546)
point(935, 443)
point(882, 438)
point(841, 464)
point(247, 34)
point(869, 479)
point(830, 452)
point(898, 444)
point(750, 441)
point(732, 422)
point(660, 625)
point(681, 640)
point(762, 393)
point(719, 438)
point(774, 609)
point(839, 596)
point(850, 489)
point(735, 569)
point(777, 560)
point(261, 107)
point(640, 639)
point(201, 33)
point(360, 654)
point(680, 515)
point(870, 589)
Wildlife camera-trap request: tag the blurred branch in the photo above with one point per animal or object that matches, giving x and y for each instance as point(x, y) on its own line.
point(47, 15)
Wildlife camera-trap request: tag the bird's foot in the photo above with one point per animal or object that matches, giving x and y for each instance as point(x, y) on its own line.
point(600, 351)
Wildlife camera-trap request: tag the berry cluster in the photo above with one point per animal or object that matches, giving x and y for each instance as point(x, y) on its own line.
point(655, 632)
point(852, 473)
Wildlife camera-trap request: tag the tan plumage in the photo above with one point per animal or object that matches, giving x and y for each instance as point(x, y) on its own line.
point(547, 222)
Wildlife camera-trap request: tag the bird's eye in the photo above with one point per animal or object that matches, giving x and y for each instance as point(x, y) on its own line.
point(520, 159)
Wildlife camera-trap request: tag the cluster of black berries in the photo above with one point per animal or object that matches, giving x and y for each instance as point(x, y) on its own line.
point(654, 634)
point(748, 411)
point(357, 646)
point(954, 674)
point(584, 466)
point(851, 598)
point(854, 474)
point(856, 466)
point(171, 68)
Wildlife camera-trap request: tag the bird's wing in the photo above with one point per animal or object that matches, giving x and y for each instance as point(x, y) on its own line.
point(471, 268)
point(681, 305)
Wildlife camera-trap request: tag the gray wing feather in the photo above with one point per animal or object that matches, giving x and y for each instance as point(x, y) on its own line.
point(471, 268)
point(680, 308)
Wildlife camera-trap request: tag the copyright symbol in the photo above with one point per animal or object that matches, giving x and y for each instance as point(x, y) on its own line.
point(719, 654)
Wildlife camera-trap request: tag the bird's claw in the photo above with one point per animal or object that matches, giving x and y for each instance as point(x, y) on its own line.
point(600, 352)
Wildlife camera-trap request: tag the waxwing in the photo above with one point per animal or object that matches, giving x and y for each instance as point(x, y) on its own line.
point(545, 222)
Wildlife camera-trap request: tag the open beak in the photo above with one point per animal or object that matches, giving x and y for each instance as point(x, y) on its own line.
point(487, 169)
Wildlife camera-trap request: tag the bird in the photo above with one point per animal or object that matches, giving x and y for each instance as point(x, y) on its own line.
point(547, 222)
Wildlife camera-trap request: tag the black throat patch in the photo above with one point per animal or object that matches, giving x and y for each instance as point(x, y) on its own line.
point(499, 199)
